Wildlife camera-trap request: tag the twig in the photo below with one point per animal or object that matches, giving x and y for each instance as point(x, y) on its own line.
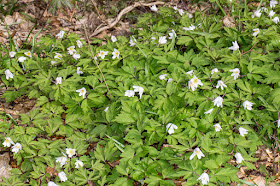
point(195, 173)
point(250, 49)
point(212, 83)
point(240, 76)
point(257, 124)
point(124, 11)
point(239, 103)
point(96, 62)
point(231, 153)
point(97, 11)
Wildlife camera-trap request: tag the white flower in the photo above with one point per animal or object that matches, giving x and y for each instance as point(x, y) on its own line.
point(238, 157)
point(218, 101)
point(171, 127)
point(82, 92)
point(247, 105)
point(116, 54)
point(79, 72)
point(21, 59)
point(139, 89)
point(53, 62)
point(204, 178)
point(79, 43)
point(9, 74)
point(76, 56)
point(154, 8)
point(217, 127)
point(16, 147)
point(60, 34)
point(271, 13)
point(102, 54)
point(181, 12)
point(215, 70)
point(272, 3)
point(28, 54)
point(162, 40)
point(264, 9)
point(58, 80)
point(70, 152)
point(243, 131)
point(71, 50)
point(235, 46)
point(7, 142)
point(209, 111)
point(221, 84)
point(106, 109)
point(62, 176)
point(190, 15)
point(197, 152)
point(190, 72)
point(194, 82)
point(12, 54)
point(132, 42)
point(172, 34)
point(258, 13)
point(175, 8)
point(153, 39)
point(256, 31)
point(57, 55)
point(113, 39)
point(235, 73)
point(50, 183)
point(129, 93)
point(278, 123)
point(275, 20)
point(162, 76)
point(78, 164)
point(189, 28)
point(62, 160)
point(169, 80)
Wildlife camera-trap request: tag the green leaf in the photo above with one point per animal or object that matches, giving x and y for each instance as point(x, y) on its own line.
point(124, 118)
point(211, 164)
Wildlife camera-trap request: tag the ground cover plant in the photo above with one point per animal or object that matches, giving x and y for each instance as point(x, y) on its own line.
point(184, 98)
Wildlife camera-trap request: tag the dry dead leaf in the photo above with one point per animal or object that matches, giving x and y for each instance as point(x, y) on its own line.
point(229, 22)
point(51, 171)
point(259, 180)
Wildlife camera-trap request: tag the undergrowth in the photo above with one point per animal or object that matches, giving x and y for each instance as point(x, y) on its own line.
point(185, 98)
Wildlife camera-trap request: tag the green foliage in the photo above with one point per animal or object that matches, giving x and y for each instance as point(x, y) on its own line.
point(127, 139)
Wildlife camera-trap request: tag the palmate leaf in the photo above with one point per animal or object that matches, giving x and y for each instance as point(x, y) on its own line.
point(273, 77)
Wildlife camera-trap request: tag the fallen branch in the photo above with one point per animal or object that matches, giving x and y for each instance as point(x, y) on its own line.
point(97, 63)
point(124, 11)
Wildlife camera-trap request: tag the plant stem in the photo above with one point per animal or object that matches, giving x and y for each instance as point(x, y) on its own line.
point(260, 4)
point(89, 46)
point(219, 5)
point(245, 11)
point(163, 137)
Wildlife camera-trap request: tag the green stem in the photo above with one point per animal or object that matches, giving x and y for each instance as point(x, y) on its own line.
point(246, 8)
point(163, 137)
point(219, 5)
point(260, 4)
